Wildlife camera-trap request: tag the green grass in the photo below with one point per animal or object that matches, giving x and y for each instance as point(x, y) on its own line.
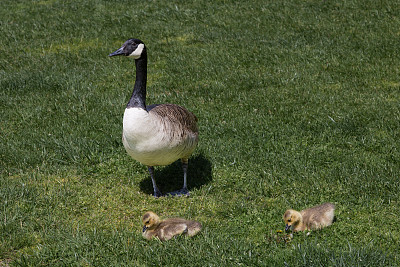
point(298, 104)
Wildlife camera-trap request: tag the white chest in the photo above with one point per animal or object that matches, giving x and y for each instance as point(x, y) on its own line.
point(144, 138)
point(137, 124)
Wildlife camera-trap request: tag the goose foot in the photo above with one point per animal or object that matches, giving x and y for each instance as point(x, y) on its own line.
point(157, 194)
point(179, 193)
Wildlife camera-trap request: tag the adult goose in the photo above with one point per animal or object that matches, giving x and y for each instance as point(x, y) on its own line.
point(157, 134)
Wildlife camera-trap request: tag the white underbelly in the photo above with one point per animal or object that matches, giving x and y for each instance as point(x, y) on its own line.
point(150, 143)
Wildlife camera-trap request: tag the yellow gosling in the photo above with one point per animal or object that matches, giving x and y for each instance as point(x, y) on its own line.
point(313, 218)
point(168, 228)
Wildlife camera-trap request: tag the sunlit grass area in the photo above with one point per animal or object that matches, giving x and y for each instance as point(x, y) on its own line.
point(298, 104)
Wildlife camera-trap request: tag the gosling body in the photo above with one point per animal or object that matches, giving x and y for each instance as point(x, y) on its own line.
point(166, 229)
point(313, 218)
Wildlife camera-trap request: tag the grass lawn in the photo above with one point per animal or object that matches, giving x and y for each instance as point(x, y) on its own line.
point(298, 104)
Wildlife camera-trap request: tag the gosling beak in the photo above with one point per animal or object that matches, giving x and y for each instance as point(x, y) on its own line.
point(119, 52)
point(287, 227)
point(144, 228)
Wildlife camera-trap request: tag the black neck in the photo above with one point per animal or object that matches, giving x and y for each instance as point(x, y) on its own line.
point(138, 98)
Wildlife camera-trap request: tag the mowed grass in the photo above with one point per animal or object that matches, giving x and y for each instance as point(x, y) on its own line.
point(298, 104)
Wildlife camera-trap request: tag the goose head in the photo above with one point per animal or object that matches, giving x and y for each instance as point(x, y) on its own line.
point(291, 218)
point(134, 48)
point(150, 220)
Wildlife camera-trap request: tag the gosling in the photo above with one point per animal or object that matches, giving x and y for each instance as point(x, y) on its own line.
point(314, 218)
point(168, 228)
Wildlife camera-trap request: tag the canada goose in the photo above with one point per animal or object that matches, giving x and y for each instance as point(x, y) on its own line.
point(157, 134)
point(168, 228)
point(313, 218)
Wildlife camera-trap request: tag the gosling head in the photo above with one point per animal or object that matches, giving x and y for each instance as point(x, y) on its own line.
point(150, 220)
point(134, 48)
point(291, 217)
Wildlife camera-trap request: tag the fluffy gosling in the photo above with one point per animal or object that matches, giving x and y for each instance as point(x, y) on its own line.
point(310, 219)
point(168, 228)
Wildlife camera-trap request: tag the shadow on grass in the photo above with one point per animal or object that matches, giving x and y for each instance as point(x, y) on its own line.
point(170, 178)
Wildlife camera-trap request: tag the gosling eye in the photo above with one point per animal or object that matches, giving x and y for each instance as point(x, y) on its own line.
point(147, 221)
point(289, 220)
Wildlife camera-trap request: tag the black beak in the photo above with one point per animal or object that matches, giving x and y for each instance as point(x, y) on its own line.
point(118, 52)
point(287, 227)
point(144, 228)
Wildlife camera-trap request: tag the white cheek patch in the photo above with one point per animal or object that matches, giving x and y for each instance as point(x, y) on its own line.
point(137, 52)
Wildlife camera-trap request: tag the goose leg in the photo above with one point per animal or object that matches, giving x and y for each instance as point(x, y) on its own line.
point(185, 163)
point(157, 192)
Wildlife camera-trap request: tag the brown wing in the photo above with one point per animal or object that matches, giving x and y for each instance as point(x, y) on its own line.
point(176, 115)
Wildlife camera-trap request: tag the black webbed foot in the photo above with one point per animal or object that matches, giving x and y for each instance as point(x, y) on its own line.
point(179, 193)
point(157, 194)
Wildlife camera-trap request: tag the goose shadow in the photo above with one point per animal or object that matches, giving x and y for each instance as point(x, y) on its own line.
point(170, 178)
